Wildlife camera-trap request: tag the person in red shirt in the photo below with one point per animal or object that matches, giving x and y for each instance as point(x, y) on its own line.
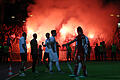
point(80, 55)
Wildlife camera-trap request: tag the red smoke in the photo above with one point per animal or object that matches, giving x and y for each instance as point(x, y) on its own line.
point(66, 15)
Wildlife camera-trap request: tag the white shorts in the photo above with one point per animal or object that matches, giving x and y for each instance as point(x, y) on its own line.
point(53, 56)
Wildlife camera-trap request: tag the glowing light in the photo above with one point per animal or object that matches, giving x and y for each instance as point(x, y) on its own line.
point(28, 46)
point(118, 15)
point(13, 36)
point(91, 35)
point(111, 14)
point(12, 17)
point(63, 30)
point(118, 25)
point(24, 21)
point(31, 15)
point(30, 31)
point(76, 31)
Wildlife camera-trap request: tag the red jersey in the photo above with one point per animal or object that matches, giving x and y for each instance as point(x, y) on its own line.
point(80, 48)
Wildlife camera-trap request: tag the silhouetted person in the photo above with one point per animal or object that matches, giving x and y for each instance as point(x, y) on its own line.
point(113, 53)
point(9, 45)
point(104, 50)
point(3, 37)
point(46, 53)
point(34, 51)
point(57, 47)
point(40, 54)
point(89, 51)
point(8, 41)
point(82, 43)
point(96, 49)
point(23, 52)
point(69, 51)
point(6, 53)
point(101, 51)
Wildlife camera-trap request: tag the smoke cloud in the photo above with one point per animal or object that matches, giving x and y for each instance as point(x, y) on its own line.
point(66, 15)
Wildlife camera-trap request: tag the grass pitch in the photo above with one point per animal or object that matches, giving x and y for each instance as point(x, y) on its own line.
point(96, 71)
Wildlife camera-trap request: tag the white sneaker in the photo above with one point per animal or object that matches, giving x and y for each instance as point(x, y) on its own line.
point(82, 76)
point(22, 74)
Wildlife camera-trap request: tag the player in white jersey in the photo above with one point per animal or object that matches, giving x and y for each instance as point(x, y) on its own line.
point(47, 46)
point(53, 52)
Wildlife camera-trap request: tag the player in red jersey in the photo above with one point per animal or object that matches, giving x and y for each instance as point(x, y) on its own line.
point(81, 41)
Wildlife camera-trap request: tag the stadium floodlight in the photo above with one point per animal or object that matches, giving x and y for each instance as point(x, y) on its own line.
point(111, 15)
point(12, 17)
point(118, 15)
point(24, 21)
point(31, 15)
point(119, 25)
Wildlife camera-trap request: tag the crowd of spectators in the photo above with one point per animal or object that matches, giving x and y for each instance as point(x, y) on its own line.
point(9, 38)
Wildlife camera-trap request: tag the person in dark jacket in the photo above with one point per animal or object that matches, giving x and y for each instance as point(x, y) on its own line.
point(40, 54)
point(34, 51)
point(96, 49)
point(113, 53)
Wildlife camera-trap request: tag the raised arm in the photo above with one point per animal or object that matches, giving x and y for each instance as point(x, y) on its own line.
point(43, 44)
point(70, 42)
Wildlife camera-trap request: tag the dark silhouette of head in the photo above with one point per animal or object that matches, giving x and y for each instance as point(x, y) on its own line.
point(40, 46)
point(35, 36)
point(79, 30)
point(113, 44)
point(47, 35)
point(24, 35)
point(101, 43)
point(96, 44)
point(53, 32)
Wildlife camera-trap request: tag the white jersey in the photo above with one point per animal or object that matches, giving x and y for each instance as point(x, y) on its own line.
point(22, 41)
point(47, 42)
point(53, 55)
point(52, 40)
